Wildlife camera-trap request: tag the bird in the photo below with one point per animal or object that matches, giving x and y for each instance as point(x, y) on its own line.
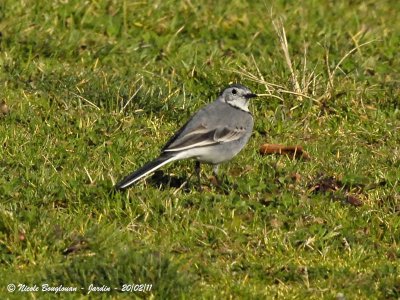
point(213, 135)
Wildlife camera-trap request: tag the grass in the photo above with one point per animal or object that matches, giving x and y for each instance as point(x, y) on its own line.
point(94, 89)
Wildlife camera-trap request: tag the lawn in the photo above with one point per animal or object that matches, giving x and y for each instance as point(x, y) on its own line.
point(92, 90)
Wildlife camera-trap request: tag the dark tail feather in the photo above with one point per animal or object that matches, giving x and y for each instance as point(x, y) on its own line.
point(148, 168)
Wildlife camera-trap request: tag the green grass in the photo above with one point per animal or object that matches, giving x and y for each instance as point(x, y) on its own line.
point(94, 90)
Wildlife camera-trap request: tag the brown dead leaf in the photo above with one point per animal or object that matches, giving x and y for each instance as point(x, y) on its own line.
point(326, 184)
point(296, 177)
point(353, 200)
point(291, 151)
point(336, 188)
point(4, 110)
point(214, 181)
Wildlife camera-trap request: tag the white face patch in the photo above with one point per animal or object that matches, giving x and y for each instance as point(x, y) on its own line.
point(238, 96)
point(240, 103)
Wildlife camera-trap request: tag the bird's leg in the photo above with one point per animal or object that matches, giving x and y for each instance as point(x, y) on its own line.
point(216, 182)
point(198, 170)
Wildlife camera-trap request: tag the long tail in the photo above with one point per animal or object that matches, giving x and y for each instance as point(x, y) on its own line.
point(143, 171)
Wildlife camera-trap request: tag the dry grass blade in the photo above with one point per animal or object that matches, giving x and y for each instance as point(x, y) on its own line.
point(280, 30)
point(331, 74)
point(133, 96)
point(86, 100)
point(260, 75)
point(272, 87)
point(269, 86)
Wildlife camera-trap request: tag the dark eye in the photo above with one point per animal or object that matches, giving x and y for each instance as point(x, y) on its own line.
point(234, 91)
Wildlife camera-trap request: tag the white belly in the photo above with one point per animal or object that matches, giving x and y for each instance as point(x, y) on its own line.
point(212, 155)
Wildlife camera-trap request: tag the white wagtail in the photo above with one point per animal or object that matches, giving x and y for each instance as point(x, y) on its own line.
point(215, 134)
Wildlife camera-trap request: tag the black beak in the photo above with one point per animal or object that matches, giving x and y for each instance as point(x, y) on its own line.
point(251, 95)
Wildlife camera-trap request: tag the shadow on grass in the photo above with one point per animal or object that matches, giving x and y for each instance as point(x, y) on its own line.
point(165, 181)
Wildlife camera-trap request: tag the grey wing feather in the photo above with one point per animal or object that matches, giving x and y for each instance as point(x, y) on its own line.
point(202, 136)
point(176, 135)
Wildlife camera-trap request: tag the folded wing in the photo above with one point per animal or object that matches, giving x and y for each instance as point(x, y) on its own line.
point(202, 136)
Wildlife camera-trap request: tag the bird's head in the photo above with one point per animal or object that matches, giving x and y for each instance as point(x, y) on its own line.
point(238, 96)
